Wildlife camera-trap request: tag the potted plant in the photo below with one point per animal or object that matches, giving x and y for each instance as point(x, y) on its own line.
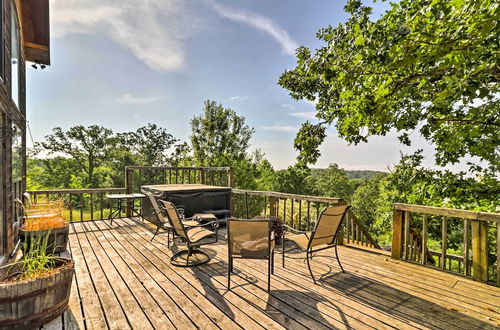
point(46, 219)
point(35, 289)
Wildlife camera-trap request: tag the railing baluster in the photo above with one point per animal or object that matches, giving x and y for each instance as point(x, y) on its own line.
point(405, 234)
point(101, 204)
point(292, 215)
point(308, 215)
point(498, 253)
point(466, 247)
point(70, 207)
point(81, 206)
point(425, 221)
point(91, 206)
point(444, 242)
point(300, 214)
point(284, 212)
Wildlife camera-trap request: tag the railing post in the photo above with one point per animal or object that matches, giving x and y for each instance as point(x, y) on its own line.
point(480, 250)
point(202, 176)
point(397, 234)
point(273, 210)
point(230, 177)
point(129, 181)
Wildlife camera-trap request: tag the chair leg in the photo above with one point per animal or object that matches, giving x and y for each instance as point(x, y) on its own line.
point(189, 254)
point(156, 232)
point(229, 271)
point(269, 265)
point(283, 251)
point(309, 266)
point(338, 259)
point(272, 262)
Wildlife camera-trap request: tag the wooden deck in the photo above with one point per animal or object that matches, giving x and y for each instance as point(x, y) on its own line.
point(123, 280)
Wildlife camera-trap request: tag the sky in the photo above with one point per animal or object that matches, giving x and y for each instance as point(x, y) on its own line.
point(125, 63)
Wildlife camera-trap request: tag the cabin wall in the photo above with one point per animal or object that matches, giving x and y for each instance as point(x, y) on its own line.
point(11, 114)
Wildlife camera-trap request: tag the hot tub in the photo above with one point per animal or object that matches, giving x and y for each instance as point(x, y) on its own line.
point(196, 198)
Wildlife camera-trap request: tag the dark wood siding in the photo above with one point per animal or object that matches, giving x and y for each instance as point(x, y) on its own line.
point(13, 115)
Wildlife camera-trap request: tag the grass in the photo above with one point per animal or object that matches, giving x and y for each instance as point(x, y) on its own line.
point(36, 261)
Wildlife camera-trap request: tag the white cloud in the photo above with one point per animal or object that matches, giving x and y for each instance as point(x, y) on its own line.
point(305, 115)
point(288, 106)
point(279, 128)
point(136, 25)
point(237, 98)
point(259, 22)
point(131, 99)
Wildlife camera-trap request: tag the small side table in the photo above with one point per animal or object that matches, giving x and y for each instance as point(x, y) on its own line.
point(124, 202)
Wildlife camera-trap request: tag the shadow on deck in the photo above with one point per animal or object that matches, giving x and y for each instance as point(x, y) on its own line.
point(125, 280)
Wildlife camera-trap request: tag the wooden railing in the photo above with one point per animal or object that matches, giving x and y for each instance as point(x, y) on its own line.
point(81, 204)
point(298, 211)
point(479, 245)
point(136, 176)
point(92, 203)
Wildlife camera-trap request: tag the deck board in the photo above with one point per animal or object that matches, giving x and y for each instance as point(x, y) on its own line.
point(125, 280)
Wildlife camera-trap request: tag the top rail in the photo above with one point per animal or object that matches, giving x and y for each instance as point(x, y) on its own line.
point(317, 199)
point(176, 168)
point(77, 191)
point(447, 212)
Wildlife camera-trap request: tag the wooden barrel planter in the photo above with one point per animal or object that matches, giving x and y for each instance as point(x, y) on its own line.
point(57, 241)
point(32, 303)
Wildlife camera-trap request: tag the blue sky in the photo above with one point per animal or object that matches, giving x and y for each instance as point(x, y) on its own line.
point(122, 64)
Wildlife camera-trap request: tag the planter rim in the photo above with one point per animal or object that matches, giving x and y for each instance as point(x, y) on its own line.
point(66, 225)
point(65, 260)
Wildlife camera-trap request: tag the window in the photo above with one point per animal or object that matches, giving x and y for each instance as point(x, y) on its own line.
point(15, 54)
point(17, 170)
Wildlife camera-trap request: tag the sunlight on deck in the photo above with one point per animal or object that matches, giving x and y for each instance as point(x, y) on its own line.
point(124, 280)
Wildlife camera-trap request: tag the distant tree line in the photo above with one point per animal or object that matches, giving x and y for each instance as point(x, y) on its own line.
point(95, 156)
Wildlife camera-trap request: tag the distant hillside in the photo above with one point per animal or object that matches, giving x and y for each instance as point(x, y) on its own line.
point(357, 174)
point(362, 174)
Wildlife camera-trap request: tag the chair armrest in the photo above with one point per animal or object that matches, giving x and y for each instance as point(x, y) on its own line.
point(287, 228)
point(182, 211)
point(214, 224)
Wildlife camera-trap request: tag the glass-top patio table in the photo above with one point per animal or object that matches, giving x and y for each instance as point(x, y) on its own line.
point(124, 202)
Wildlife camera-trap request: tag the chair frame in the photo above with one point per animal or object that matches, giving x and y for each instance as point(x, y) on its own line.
point(269, 257)
point(161, 214)
point(309, 250)
point(191, 246)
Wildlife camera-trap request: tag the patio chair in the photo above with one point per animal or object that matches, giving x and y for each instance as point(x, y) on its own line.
point(250, 239)
point(162, 222)
point(324, 236)
point(194, 237)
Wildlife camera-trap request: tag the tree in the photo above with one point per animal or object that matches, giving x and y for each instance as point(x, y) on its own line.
point(295, 180)
point(88, 146)
point(424, 65)
point(333, 182)
point(366, 200)
point(149, 144)
point(219, 136)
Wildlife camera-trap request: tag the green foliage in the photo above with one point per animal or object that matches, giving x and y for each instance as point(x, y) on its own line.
point(333, 182)
point(148, 145)
point(36, 260)
point(96, 157)
point(424, 65)
point(295, 180)
point(219, 136)
point(362, 174)
point(367, 199)
point(88, 147)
